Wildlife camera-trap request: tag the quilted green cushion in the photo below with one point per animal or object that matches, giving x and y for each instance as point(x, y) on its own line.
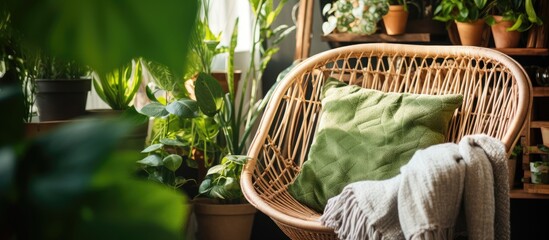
point(365, 134)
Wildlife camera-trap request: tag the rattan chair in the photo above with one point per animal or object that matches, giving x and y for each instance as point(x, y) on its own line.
point(497, 98)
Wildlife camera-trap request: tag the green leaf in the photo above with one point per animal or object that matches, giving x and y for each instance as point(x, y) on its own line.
point(154, 109)
point(172, 162)
point(205, 186)
point(283, 35)
point(172, 142)
point(65, 160)
point(132, 209)
point(531, 12)
point(209, 94)
point(215, 169)
point(152, 148)
point(183, 108)
point(106, 34)
point(153, 160)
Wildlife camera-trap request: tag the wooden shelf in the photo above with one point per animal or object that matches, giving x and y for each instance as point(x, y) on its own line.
point(523, 194)
point(378, 37)
point(524, 51)
point(539, 124)
point(541, 91)
point(538, 189)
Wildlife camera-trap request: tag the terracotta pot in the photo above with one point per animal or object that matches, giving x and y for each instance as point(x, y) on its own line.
point(470, 33)
point(61, 99)
point(33, 129)
point(395, 20)
point(224, 221)
point(222, 78)
point(502, 37)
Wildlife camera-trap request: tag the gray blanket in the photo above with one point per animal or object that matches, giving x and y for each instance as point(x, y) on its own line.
point(440, 183)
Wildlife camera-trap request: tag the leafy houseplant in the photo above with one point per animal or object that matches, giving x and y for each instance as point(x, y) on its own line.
point(222, 181)
point(354, 16)
point(509, 18)
point(468, 15)
point(460, 10)
point(62, 88)
point(118, 88)
point(521, 12)
point(198, 124)
point(13, 64)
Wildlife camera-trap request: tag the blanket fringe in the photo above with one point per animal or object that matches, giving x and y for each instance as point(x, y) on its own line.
point(434, 234)
point(343, 214)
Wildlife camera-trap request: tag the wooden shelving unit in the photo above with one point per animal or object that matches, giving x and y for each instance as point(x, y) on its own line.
point(536, 46)
point(524, 51)
point(378, 37)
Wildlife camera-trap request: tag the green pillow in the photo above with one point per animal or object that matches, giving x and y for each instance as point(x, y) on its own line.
point(365, 134)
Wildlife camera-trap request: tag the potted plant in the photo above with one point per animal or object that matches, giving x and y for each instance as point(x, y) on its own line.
point(198, 123)
point(222, 197)
point(62, 88)
point(509, 19)
point(468, 15)
point(118, 89)
point(396, 18)
point(540, 169)
point(354, 16)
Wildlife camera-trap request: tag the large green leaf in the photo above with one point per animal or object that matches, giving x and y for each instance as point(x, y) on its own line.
point(154, 109)
point(106, 34)
point(209, 94)
point(121, 207)
point(65, 160)
point(183, 108)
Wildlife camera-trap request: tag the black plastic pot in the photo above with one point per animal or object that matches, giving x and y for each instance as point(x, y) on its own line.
point(61, 99)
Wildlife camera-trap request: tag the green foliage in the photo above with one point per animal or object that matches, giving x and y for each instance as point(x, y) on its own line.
point(118, 88)
point(69, 184)
point(460, 10)
point(12, 66)
point(193, 116)
point(521, 12)
point(222, 181)
point(543, 148)
point(183, 128)
point(48, 67)
point(104, 34)
point(362, 18)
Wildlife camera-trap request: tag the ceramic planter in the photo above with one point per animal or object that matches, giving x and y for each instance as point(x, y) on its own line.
point(395, 20)
point(470, 33)
point(502, 37)
point(61, 99)
point(539, 172)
